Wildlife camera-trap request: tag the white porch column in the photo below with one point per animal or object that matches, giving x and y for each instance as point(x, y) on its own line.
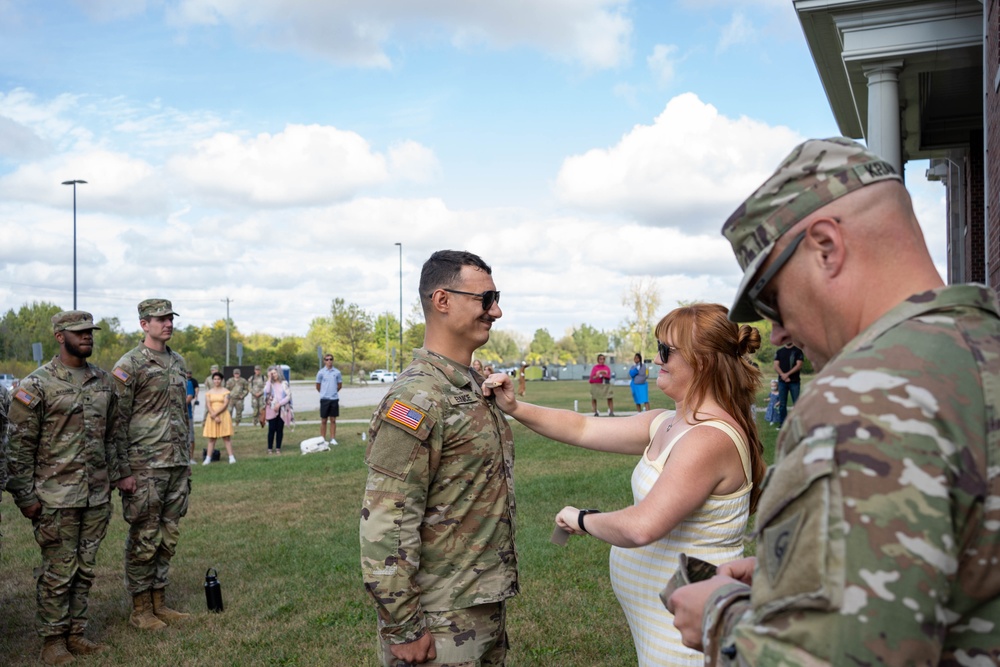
point(884, 134)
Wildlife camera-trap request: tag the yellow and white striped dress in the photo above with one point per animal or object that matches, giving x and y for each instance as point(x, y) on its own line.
point(714, 533)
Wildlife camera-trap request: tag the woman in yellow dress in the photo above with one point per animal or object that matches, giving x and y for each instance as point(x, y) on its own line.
point(218, 423)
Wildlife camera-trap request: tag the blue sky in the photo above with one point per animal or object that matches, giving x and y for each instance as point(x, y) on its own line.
point(273, 152)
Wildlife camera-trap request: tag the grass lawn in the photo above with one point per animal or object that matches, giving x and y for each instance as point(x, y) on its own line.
point(283, 534)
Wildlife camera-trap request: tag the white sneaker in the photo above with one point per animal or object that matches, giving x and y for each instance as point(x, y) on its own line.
point(208, 459)
point(193, 462)
point(232, 459)
point(333, 441)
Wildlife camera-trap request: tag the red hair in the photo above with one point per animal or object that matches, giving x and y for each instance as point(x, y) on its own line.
point(718, 352)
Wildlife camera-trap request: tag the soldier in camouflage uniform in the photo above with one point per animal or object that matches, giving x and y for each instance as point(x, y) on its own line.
point(154, 463)
point(878, 531)
point(4, 409)
point(257, 384)
point(238, 388)
point(62, 462)
point(438, 516)
point(212, 370)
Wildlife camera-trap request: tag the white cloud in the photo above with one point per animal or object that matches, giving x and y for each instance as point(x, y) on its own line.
point(688, 170)
point(739, 30)
point(662, 62)
point(412, 161)
point(595, 33)
point(19, 142)
point(304, 165)
point(284, 222)
point(116, 183)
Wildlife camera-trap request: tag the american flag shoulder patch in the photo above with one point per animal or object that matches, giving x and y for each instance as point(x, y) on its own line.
point(408, 416)
point(120, 373)
point(24, 396)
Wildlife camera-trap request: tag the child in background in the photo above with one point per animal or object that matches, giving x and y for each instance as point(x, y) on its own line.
point(772, 405)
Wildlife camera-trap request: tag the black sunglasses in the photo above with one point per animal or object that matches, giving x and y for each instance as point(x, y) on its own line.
point(489, 297)
point(769, 307)
point(664, 351)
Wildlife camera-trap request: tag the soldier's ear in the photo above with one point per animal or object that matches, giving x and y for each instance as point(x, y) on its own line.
point(439, 300)
point(824, 237)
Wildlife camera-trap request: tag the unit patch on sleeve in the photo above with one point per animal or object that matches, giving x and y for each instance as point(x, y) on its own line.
point(408, 416)
point(24, 396)
point(121, 375)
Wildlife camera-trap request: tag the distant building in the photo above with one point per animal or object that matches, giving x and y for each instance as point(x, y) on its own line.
point(916, 79)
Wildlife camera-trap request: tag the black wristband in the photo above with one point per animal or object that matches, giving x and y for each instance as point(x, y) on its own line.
point(583, 513)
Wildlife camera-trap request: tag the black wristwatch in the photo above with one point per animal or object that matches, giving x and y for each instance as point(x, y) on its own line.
point(583, 513)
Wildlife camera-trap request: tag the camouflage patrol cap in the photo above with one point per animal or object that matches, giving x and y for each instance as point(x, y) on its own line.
point(815, 173)
point(73, 320)
point(155, 308)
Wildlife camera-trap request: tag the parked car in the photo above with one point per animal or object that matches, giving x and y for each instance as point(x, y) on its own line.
point(382, 375)
point(8, 381)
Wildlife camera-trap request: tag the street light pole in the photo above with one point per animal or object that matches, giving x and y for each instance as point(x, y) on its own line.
point(400, 306)
point(227, 301)
point(73, 183)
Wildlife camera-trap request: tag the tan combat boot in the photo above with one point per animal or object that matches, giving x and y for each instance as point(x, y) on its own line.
point(162, 611)
point(54, 651)
point(142, 613)
point(80, 645)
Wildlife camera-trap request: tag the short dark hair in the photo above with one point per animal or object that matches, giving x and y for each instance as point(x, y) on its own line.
point(217, 373)
point(443, 268)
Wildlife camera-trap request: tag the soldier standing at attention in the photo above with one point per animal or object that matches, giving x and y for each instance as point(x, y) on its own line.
point(877, 529)
point(4, 409)
point(154, 462)
point(238, 388)
point(62, 462)
point(437, 520)
point(257, 383)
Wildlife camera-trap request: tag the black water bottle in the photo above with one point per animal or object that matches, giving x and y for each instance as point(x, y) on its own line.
point(213, 590)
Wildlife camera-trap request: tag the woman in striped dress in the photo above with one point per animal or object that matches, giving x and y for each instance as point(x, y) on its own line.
point(698, 475)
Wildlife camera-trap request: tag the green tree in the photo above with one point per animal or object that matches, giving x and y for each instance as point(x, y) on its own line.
point(352, 326)
point(589, 342)
point(386, 340)
point(30, 324)
point(110, 343)
point(503, 347)
point(642, 299)
point(542, 349)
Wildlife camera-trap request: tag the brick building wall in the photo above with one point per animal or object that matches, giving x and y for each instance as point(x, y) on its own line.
point(991, 48)
point(975, 205)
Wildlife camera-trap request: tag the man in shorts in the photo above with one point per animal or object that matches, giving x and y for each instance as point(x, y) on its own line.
point(329, 381)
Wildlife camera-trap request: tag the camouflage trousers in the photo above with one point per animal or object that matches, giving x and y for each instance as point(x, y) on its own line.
point(153, 513)
point(473, 637)
point(236, 408)
point(69, 538)
point(256, 405)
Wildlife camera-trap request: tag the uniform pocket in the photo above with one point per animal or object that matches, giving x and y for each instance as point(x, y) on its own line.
point(800, 543)
point(135, 506)
point(47, 529)
point(380, 543)
point(187, 495)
